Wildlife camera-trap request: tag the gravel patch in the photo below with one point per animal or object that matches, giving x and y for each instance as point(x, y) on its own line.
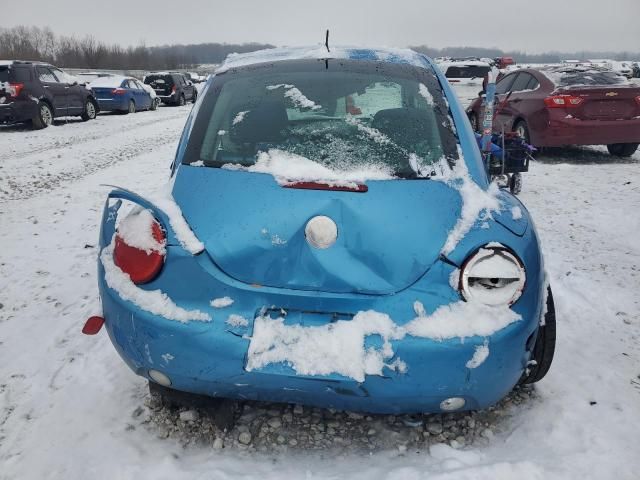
point(272, 427)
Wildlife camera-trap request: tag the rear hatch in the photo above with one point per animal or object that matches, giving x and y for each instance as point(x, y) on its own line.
point(606, 103)
point(161, 84)
point(254, 230)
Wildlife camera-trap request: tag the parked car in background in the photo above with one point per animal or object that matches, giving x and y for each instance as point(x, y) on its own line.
point(172, 88)
point(465, 72)
point(122, 94)
point(635, 66)
point(194, 77)
point(38, 92)
point(271, 271)
point(503, 62)
point(567, 105)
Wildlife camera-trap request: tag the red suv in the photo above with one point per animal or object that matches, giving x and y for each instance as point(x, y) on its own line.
point(569, 105)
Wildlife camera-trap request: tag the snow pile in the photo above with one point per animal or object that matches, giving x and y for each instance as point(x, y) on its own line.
point(152, 301)
point(475, 200)
point(165, 202)
point(237, 321)
point(239, 117)
point(375, 134)
point(136, 231)
point(396, 55)
point(296, 96)
point(479, 356)
point(334, 348)
point(462, 319)
point(289, 167)
point(222, 302)
point(516, 213)
point(340, 347)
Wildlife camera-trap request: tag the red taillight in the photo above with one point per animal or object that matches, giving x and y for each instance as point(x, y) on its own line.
point(118, 91)
point(173, 89)
point(15, 89)
point(638, 99)
point(141, 266)
point(562, 101)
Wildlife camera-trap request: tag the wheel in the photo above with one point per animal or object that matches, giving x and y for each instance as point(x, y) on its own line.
point(195, 97)
point(154, 104)
point(622, 149)
point(515, 183)
point(545, 344)
point(89, 111)
point(522, 130)
point(181, 100)
point(132, 107)
point(473, 118)
point(44, 118)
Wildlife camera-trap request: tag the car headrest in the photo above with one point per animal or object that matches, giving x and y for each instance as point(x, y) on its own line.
point(405, 126)
point(261, 124)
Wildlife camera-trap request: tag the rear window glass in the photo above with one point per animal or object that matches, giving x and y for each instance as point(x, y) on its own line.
point(336, 118)
point(4, 74)
point(158, 80)
point(587, 77)
point(467, 71)
point(14, 74)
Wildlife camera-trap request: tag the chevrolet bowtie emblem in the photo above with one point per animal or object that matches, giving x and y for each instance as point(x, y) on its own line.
point(611, 94)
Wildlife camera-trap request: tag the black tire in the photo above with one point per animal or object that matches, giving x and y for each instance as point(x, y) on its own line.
point(154, 104)
point(622, 149)
point(181, 101)
point(132, 107)
point(545, 345)
point(90, 111)
point(473, 119)
point(515, 183)
point(195, 96)
point(522, 129)
point(43, 118)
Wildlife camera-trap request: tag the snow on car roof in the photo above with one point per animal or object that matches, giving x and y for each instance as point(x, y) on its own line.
point(394, 55)
point(561, 76)
point(110, 82)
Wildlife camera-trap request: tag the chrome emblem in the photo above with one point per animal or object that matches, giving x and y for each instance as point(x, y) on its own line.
point(611, 94)
point(321, 232)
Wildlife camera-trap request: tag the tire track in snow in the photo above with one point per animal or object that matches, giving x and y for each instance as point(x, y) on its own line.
point(43, 172)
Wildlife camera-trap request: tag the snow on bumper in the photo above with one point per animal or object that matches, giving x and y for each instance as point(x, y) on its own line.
point(376, 366)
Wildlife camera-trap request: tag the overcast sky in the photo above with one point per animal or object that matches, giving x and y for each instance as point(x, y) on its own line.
point(530, 25)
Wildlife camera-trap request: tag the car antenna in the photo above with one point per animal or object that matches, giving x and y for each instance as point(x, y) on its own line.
point(326, 41)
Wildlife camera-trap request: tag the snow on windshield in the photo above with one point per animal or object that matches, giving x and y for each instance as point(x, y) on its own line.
point(584, 76)
point(107, 82)
point(342, 121)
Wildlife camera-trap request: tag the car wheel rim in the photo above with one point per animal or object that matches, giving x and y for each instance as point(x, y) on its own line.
point(132, 107)
point(91, 110)
point(521, 132)
point(45, 115)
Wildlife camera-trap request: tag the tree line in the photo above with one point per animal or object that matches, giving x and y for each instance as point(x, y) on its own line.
point(523, 57)
point(41, 44)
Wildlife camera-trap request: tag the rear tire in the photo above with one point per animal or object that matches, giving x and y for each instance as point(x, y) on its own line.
point(132, 107)
point(43, 118)
point(515, 183)
point(622, 149)
point(195, 96)
point(473, 119)
point(181, 101)
point(545, 345)
point(154, 104)
point(89, 111)
point(522, 129)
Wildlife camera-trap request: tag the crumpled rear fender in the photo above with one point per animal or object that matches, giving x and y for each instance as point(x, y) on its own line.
point(110, 215)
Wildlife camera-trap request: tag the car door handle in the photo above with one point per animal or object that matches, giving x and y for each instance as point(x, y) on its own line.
point(66, 88)
point(46, 86)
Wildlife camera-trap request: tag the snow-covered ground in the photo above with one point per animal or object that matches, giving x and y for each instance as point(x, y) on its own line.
point(71, 409)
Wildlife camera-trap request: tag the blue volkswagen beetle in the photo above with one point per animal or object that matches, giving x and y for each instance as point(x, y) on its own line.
point(329, 237)
point(123, 94)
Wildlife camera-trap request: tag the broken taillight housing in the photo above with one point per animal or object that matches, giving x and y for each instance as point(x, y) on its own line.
point(493, 276)
point(142, 266)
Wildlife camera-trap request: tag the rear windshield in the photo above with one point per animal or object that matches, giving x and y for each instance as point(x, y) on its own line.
point(343, 116)
point(158, 80)
point(4, 74)
point(14, 74)
point(467, 71)
point(579, 77)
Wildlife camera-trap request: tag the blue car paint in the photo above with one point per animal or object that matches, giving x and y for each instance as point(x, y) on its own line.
point(109, 101)
point(210, 357)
